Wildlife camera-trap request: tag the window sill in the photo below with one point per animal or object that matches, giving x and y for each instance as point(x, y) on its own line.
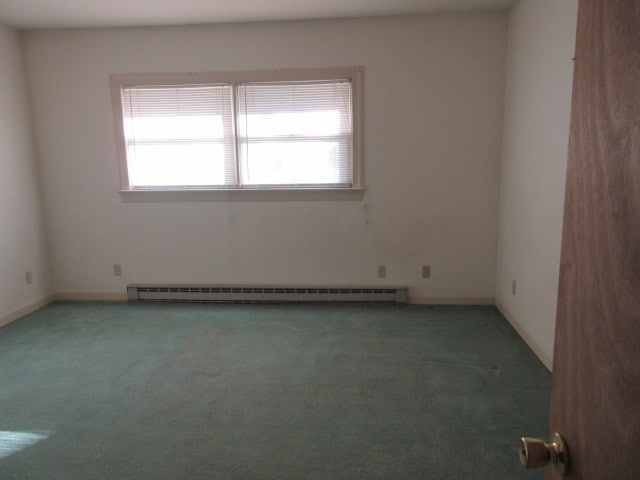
point(235, 195)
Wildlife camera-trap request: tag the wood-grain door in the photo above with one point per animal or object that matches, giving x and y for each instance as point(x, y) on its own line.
point(595, 398)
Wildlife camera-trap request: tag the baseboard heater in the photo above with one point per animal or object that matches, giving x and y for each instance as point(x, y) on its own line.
point(264, 294)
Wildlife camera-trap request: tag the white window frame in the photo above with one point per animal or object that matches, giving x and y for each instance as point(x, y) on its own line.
point(353, 74)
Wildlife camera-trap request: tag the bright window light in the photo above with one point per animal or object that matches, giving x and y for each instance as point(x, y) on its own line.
point(295, 133)
point(236, 134)
point(279, 163)
point(178, 136)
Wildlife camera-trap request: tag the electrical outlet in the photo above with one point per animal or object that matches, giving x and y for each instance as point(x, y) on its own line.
point(513, 287)
point(426, 271)
point(28, 278)
point(117, 270)
point(382, 271)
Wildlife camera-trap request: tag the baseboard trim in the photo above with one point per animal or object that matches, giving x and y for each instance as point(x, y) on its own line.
point(91, 296)
point(122, 297)
point(451, 300)
point(545, 357)
point(26, 309)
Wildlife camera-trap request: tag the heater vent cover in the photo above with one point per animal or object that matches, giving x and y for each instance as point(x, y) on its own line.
point(264, 294)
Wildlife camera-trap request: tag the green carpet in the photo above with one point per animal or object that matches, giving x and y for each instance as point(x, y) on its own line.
point(168, 391)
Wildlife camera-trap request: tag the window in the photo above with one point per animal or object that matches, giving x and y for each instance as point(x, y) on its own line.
point(240, 131)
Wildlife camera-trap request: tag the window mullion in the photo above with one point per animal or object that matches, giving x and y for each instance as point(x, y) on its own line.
point(236, 132)
point(234, 127)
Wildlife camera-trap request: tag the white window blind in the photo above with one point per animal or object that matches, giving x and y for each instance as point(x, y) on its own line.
point(179, 136)
point(295, 133)
point(277, 130)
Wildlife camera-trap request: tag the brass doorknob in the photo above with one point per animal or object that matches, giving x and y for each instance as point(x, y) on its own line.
point(534, 453)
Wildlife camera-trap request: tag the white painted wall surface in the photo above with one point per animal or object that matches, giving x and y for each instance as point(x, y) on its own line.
point(22, 238)
point(434, 89)
point(541, 42)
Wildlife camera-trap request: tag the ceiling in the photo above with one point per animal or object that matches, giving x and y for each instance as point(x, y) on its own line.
point(29, 14)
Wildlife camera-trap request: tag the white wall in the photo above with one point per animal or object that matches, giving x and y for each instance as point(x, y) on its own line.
point(434, 90)
point(541, 43)
point(22, 239)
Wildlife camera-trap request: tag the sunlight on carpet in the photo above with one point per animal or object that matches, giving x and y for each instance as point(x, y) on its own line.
point(11, 442)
